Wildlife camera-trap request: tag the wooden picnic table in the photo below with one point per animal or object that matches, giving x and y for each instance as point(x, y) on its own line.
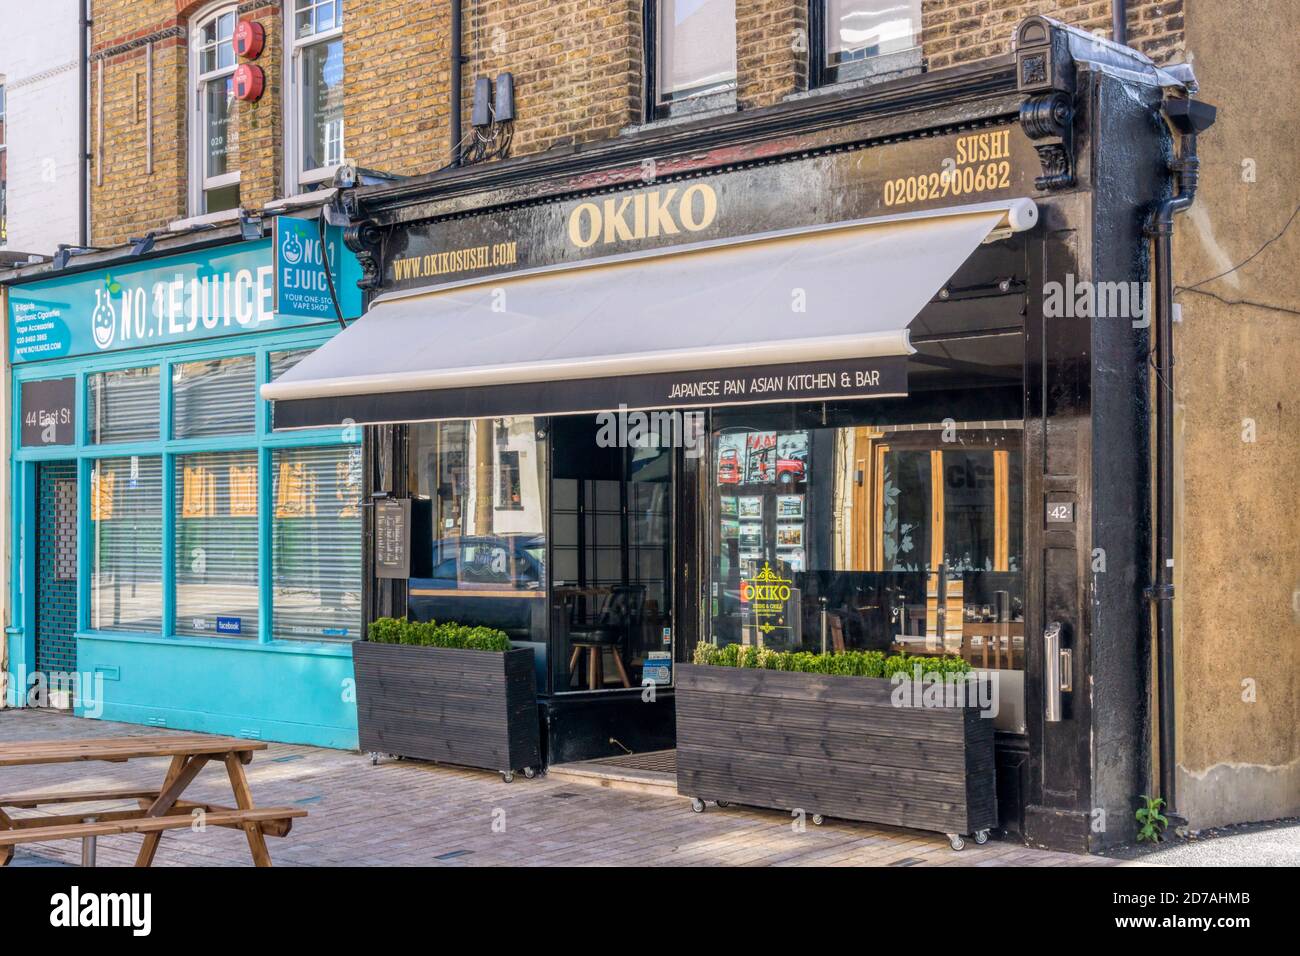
point(157, 810)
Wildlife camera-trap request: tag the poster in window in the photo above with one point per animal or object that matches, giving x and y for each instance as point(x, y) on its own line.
point(731, 459)
point(730, 529)
point(727, 507)
point(750, 506)
point(791, 458)
point(751, 536)
point(243, 492)
point(101, 494)
point(760, 458)
point(789, 535)
point(789, 507)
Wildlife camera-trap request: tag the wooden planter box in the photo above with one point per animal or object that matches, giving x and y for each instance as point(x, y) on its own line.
point(833, 746)
point(470, 708)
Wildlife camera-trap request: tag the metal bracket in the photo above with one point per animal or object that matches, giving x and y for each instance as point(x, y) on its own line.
point(365, 239)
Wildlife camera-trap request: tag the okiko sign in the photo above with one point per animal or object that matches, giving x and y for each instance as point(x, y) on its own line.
point(214, 292)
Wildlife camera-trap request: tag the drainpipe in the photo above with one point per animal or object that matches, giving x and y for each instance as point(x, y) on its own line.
point(1188, 117)
point(83, 133)
point(457, 62)
point(1119, 21)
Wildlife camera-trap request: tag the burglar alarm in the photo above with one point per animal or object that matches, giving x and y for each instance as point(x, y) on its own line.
point(249, 82)
point(249, 39)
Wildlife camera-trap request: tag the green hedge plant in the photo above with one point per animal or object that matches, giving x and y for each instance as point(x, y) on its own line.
point(390, 630)
point(843, 663)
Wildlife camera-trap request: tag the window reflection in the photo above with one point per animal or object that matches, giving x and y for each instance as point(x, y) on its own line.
point(484, 481)
point(898, 538)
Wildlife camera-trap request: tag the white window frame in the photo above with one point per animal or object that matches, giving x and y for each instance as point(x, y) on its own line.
point(200, 182)
point(298, 179)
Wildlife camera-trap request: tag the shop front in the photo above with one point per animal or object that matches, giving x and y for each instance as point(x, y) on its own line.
point(177, 561)
point(791, 384)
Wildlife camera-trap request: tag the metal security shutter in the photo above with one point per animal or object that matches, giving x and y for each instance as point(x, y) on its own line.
point(216, 544)
point(122, 405)
point(126, 544)
point(316, 543)
point(215, 397)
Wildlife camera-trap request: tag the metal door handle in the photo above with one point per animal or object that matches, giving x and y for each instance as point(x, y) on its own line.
point(1058, 669)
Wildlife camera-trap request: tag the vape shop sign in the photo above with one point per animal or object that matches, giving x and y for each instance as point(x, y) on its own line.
point(312, 271)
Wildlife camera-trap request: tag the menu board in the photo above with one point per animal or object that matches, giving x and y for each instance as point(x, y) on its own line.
point(392, 538)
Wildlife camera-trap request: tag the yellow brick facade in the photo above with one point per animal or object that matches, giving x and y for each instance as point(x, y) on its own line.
point(578, 69)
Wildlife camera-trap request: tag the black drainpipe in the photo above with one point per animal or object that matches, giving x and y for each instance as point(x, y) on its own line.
point(1119, 21)
point(1188, 118)
point(457, 61)
point(83, 134)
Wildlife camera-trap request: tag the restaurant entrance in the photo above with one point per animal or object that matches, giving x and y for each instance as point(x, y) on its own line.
point(558, 531)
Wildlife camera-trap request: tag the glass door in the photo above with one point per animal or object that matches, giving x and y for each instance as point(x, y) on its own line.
point(611, 538)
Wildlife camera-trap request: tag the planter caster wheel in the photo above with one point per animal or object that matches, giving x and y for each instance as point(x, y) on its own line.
point(981, 837)
point(374, 759)
point(722, 804)
point(697, 804)
point(956, 842)
point(508, 776)
point(530, 773)
point(818, 819)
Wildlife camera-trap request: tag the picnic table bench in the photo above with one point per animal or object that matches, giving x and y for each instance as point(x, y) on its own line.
point(157, 810)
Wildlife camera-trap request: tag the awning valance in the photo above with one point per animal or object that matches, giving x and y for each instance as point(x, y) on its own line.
point(795, 315)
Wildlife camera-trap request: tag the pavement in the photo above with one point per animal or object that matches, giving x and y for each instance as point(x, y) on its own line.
point(409, 813)
point(1251, 844)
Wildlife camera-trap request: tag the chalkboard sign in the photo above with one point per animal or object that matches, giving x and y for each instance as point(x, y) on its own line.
point(49, 412)
point(392, 538)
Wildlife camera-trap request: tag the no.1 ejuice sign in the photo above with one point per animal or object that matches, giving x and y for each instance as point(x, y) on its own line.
point(302, 287)
point(213, 292)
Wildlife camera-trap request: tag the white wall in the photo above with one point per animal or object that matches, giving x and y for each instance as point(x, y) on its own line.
point(38, 64)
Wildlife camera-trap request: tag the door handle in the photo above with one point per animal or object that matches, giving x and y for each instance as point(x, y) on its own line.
point(1058, 671)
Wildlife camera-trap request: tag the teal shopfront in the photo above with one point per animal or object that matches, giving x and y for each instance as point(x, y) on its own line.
point(176, 561)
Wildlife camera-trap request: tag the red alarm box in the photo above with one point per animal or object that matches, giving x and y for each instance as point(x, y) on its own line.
point(249, 82)
point(249, 39)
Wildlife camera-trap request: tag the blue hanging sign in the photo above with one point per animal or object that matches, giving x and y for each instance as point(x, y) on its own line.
point(302, 287)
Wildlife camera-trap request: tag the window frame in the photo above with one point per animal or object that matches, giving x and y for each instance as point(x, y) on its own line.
point(200, 182)
point(298, 178)
point(262, 440)
point(823, 73)
point(709, 100)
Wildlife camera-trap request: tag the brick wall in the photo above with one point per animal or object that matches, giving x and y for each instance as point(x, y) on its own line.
point(396, 71)
point(576, 63)
point(126, 198)
point(771, 50)
point(964, 31)
point(577, 66)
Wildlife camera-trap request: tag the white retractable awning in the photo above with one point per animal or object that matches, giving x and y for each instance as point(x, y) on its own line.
point(807, 297)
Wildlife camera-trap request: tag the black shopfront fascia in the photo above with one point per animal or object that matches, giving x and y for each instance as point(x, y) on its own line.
point(1084, 396)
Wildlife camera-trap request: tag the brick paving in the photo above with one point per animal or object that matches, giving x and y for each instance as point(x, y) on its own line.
point(407, 813)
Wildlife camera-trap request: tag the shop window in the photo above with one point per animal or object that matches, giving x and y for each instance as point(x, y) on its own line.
point(216, 544)
point(314, 111)
point(897, 538)
point(214, 397)
point(690, 56)
point(122, 405)
point(281, 362)
point(488, 563)
point(214, 136)
point(316, 543)
point(126, 544)
point(856, 39)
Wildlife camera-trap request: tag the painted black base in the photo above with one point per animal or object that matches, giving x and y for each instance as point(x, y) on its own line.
point(607, 724)
point(833, 746)
point(470, 708)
